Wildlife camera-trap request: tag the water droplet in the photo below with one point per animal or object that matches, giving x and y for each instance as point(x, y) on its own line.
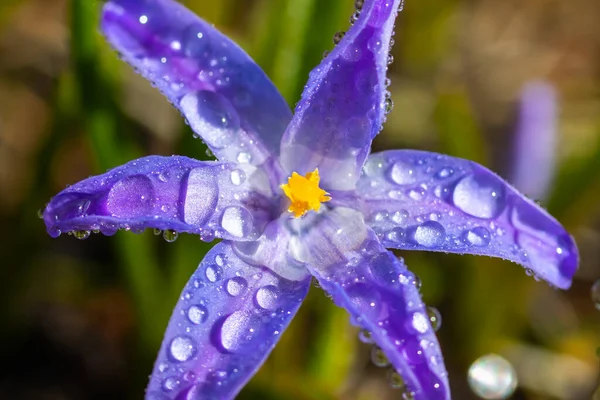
point(213, 115)
point(244, 158)
point(596, 294)
point(201, 196)
point(197, 314)
point(481, 196)
point(478, 236)
point(416, 281)
point(182, 348)
point(131, 197)
point(238, 330)
point(358, 4)
point(81, 235)
point(235, 286)
point(40, 213)
point(402, 174)
point(400, 216)
point(429, 234)
point(389, 105)
point(266, 297)
point(390, 59)
point(213, 273)
point(395, 379)
point(492, 377)
point(435, 318)
point(419, 323)
point(396, 235)
point(365, 336)
point(238, 177)
point(170, 235)
point(237, 221)
point(378, 357)
point(156, 231)
point(169, 384)
point(444, 173)
point(338, 37)
point(408, 395)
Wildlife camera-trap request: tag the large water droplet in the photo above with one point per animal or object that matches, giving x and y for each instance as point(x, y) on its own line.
point(81, 235)
point(213, 115)
point(478, 236)
point(266, 297)
point(596, 294)
point(131, 197)
point(237, 330)
point(480, 195)
point(237, 221)
point(492, 377)
point(201, 196)
point(197, 314)
point(182, 348)
point(235, 286)
point(429, 234)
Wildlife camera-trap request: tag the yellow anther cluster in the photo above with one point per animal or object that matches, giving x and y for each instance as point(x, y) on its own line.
point(304, 193)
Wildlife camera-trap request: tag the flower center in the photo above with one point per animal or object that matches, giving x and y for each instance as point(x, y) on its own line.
point(304, 193)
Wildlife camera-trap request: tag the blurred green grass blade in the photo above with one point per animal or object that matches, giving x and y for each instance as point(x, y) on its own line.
point(289, 56)
point(456, 127)
point(577, 188)
point(266, 23)
point(337, 344)
point(101, 120)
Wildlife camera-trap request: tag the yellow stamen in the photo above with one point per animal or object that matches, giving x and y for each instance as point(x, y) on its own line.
point(304, 193)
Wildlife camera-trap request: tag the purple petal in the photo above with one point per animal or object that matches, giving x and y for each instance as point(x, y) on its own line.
point(207, 198)
point(536, 140)
point(225, 96)
point(227, 320)
point(343, 105)
point(380, 295)
point(417, 200)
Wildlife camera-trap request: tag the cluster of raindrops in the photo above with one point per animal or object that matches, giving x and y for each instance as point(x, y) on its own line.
point(492, 377)
point(379, 358)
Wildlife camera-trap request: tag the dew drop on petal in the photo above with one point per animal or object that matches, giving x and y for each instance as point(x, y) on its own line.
point(395, 379)
point(170, 235)
point(213, 273)
point(481, 196)
point(478, 236)
point(236, 286)
point(197, 314)
point(435, 318)
point(365, 336)
point(237, 330)
point(81, 235)
point(237, 177)
point(492, 377)
point(237, 221)
point(402, 174)
point(429, 234)
point(266, 297)
point(378, 357)
point(182, 348)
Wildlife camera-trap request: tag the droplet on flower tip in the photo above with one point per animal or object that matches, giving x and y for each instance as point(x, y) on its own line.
point(595, 291)
point(338, 37)
point(492, 377)
point(435, 318)
point(81, 235)
point(170, 235)
point(378, 357)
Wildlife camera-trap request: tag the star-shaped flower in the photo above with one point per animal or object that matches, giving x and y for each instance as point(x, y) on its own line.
point(249, 286)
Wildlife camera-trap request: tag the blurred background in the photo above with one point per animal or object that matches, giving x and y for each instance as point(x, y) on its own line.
point(84, 319)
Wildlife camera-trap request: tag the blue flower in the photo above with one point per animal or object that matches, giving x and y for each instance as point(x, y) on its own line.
point(296, 196)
